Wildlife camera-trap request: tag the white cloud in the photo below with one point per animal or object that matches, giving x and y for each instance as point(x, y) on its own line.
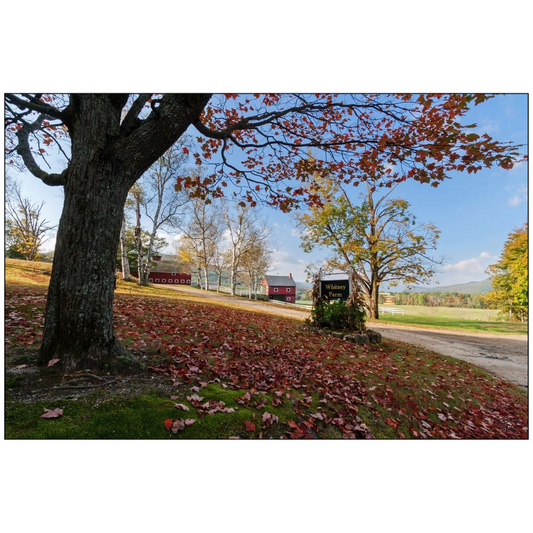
point(284, 263)
point(472, 269)
point(519, 196)
point(489, 126)
point(49, 245)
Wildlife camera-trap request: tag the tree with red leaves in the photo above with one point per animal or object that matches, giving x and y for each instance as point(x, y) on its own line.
point(259, 143)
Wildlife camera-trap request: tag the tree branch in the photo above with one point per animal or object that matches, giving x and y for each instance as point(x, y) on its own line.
point(24, 150)
point(131, 121)
point(35, 104)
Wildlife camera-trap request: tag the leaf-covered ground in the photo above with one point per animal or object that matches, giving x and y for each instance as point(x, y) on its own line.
point(229, 373)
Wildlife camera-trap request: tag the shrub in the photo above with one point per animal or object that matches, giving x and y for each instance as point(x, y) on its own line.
point(338, 316)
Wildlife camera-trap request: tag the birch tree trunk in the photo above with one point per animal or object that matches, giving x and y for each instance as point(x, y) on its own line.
point(126, 275)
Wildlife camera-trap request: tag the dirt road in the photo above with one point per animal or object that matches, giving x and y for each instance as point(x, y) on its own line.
point(278, 309)
point(504, 356)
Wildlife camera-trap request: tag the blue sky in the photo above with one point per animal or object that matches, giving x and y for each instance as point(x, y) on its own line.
point(474, 212)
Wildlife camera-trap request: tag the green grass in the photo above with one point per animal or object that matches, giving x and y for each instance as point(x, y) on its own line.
point(142, 417)
point(490, 315)
point(90, 418)
point(481, 326)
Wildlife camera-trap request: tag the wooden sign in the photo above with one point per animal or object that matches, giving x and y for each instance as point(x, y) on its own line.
point(335, 289)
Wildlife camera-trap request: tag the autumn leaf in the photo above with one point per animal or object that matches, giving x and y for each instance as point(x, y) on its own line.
point(250, 426)
point(52, 413)
point(52, 362)
point(168, 423)
point(178, 425)
point(181, 406)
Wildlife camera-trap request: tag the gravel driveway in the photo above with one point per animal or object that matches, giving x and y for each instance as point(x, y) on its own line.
point(504, 356)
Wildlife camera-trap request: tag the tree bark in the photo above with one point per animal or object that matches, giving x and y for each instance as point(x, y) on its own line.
point(79, 313)
point(373, 299)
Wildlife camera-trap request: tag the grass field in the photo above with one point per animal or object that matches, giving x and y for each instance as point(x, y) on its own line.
point(214, 371)
point(490, 315)
point(479, 320)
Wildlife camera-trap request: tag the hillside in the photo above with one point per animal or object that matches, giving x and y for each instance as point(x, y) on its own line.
point(472, 287)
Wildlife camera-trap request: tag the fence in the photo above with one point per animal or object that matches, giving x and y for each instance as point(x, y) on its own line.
point(391, 310)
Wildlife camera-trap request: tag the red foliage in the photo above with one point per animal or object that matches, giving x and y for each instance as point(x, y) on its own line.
point(404, 390)
point(274, 356)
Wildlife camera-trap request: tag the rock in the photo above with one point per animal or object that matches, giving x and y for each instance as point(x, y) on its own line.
point(349, 338)
point(361, 339)
point(373, 336)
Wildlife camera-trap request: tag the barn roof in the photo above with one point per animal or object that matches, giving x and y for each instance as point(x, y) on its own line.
point(280, 281)
point(165, 266)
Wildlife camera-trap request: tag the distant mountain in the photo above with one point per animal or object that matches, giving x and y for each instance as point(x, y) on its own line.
point(472, 287)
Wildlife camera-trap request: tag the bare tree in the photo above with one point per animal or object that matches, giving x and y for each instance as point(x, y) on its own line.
point(245, 232)
point(257, 257)
point(26, 230)
point(201, 236)
point(161, 202)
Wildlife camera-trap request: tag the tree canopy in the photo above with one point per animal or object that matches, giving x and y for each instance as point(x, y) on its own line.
point(378, 239)
point(510, 276)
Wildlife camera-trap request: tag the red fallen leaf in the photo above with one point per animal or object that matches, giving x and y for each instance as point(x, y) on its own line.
point(441, 416)
point(168, 423)
point(189, 421)
point(21, 366)
point(52, 413)
point(52, 362)
point(250, 426)
point(292, 424)
point(319, 416)
point(181, 406)
point(391, 422)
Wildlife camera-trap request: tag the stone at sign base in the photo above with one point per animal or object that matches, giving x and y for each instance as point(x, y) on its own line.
point(374, 337)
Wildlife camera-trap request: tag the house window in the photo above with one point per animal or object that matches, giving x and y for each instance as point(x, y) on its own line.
point(173, 273)
point(189, 281)
point(275, 289)
point(176, 281)
point(157, 280)
point(288, 289)
point(289, 299)
point(163, 280)
point(183, 281)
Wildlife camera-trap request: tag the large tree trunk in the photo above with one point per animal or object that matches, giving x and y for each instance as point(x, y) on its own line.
point(373, 299)
point(105, 163)
point(79, 312)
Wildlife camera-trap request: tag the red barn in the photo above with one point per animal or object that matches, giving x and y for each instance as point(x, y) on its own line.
point(281, 288)
point(165, 272)
point(170, 277)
